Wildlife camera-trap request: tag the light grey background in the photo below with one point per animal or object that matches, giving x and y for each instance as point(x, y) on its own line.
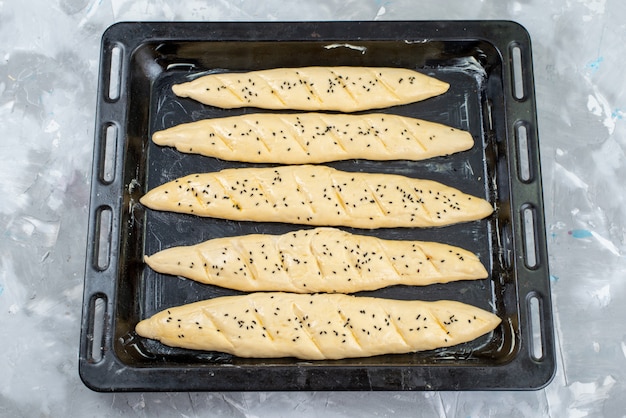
point(48, 80)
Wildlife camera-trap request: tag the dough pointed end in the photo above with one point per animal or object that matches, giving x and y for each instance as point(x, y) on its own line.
point(159, 138)
point(155, 199)
point(145, 329)
point(440, 86)
point(490, 322)
point(181, 90)
point(466, 141)
point(169, 261)
point(145, 200)
point(484, 209)
point(481, 271)
point(148, 260)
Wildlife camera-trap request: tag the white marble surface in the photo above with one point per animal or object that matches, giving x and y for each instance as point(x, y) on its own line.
point(48, 76)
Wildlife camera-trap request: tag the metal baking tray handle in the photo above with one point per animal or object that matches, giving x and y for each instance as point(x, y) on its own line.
point(95, 344)
point(529, 227)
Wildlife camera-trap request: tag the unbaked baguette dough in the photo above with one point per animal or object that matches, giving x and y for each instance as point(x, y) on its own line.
point(317, 260)
point(315, 138)
point(317, 195)
point(316, 327)
point(346, 89)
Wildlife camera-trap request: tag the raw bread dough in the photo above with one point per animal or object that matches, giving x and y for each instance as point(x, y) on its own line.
point(316, 327)
point(317, 260)
point(346, 89)
point(317, 195)
point(315, 138)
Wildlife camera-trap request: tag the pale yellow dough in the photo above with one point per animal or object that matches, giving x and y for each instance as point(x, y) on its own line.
point(317, 195)
point(316, 327)
point(317, 260)
point(314, 138)
point(346, 89)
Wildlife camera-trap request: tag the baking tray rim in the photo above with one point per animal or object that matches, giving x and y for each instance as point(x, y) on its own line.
point(140, 42)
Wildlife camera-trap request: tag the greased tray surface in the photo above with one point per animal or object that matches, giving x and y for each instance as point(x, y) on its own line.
point(489, 68)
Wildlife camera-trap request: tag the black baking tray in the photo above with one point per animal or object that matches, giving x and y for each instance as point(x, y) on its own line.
point(489, 67)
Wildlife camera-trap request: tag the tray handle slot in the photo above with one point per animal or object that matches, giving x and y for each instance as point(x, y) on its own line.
point(96, 325)
point(517, 78)
point(114, 87)
point(104, 231)
point(529, 226)
point(535, 320)
point(523, 152)
point(110, 132)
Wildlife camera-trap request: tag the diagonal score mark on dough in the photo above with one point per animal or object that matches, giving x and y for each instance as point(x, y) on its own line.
point(301, 188)
point(382, 83)
point(383, 250)
point(214, 323)
point(243, 256)
point(272, 88)
point(201, 202)
point(417, 197)
point(268, 197)
point(338, 139)
point(429, 259)
point(344, 85)
point(409, 131)
point(252, 125)
point(206, 264)
point(316, 257)
point(336, 188)
point(347, 325)
point(371, 128)
point(293, 131)
point(222, 135)
point(227, 192)
point(398, 330)
point(300, 315)
point(261, 323)
point(379, 205)
point(229, 88)
point(438, 322)
point(310, 87)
